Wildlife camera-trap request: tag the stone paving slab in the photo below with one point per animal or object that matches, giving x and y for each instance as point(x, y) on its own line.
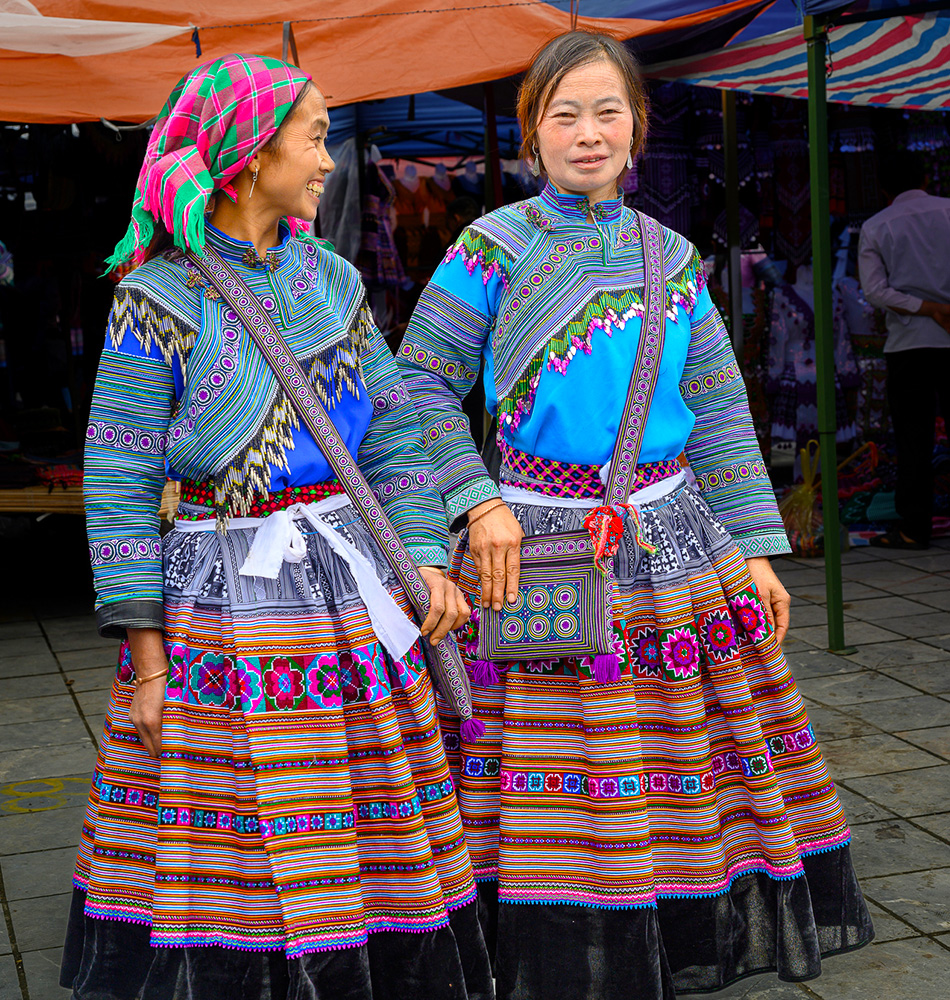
point(37, 762)
point(5, 946)
point(918, 711)
point(41, 922)
point(938, 824)
point(876, 754)
point(938, 599)
point(908, 793)
point(917, 969)
point(40, 709)
point(9, 980)
point(22, 735)
point(25, 646)
point(93, 679)
point(936, 740)
point(940, 641)
point(85, 659)
point(931, 678)
point(28, 664)
point(41, 873)
point(932, 623)
point(818, 663)
point(919, 897)
point(851, 590)
point(860, 810)
point(39, 831)
point(887, 927)
point(19, 630)
point(854, 632)
point(923, 583)
point(853, 689)
point(897, 654)
point(94, 702)
point(767, 987)
point(15, 688)
point(831, 724)
point(42, 972)
point(892, 847)
point(881, 608)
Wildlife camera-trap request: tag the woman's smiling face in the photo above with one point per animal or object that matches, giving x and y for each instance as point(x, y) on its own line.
point(585, 133)
point(291, 177)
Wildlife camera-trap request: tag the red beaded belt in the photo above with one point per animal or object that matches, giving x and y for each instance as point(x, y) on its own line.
point(565, 479)
point(202, 495)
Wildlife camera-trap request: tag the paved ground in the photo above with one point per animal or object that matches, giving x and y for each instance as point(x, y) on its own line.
point(882, 715)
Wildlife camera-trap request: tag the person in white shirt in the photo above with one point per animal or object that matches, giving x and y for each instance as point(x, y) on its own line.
point(903, 263)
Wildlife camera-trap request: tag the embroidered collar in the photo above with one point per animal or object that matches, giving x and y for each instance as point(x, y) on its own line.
point(575, 207)
point(241, 252)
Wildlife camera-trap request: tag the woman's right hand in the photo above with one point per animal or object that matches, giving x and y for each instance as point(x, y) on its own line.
point(148, 660)
point(495, 544)
point(146, 714)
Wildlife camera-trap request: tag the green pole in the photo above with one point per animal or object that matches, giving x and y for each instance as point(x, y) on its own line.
point(816, 40)
point(730, 147)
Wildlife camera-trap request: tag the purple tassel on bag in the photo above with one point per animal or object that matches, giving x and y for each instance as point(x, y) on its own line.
point(472, 730)
point(606, 668)
point(484, 673)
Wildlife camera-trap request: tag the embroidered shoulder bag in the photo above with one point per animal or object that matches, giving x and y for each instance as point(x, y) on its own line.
point(443, 661)
point(564, 604)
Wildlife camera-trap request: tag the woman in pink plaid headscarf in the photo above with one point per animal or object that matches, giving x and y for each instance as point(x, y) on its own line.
point(272, 815)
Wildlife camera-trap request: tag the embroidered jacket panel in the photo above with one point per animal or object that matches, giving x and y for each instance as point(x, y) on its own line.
point(552, 305)
point(182, 391)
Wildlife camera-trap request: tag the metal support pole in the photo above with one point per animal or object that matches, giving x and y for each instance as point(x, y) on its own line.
point(289, 46)
point(730, 147)
point(816, 40)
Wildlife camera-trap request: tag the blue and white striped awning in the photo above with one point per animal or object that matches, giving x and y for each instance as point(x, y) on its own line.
point(899, 62)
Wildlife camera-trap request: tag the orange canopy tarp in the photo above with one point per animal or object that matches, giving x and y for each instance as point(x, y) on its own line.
point(356, 50)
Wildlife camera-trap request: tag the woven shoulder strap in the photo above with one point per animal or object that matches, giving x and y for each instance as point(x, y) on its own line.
point(451, 676)
point(647, 366)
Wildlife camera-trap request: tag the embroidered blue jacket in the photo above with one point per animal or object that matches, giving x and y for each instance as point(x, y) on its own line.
point(552, 304)
point(183, 392)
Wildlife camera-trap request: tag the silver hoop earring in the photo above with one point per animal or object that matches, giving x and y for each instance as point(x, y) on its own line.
point(253, 182)
point(535, 163)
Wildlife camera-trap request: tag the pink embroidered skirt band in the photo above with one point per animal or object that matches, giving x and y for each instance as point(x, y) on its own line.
point(568, 480)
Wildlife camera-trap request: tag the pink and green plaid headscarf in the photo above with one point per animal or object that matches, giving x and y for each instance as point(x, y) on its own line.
point(215, 120)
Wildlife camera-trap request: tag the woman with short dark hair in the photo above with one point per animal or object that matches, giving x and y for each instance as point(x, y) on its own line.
point(653, 815)
point(272, 815)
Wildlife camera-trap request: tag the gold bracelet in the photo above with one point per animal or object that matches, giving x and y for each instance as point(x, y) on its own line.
point(484, 513)
point(139, 681)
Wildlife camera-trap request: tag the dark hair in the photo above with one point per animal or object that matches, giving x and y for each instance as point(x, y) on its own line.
point(556, 60)
point(901, 170)
point(163, 240)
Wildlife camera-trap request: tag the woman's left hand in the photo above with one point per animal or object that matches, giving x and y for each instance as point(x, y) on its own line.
point(772, 594)
point(448, 608)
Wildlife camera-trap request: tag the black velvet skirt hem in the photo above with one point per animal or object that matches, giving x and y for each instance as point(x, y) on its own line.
point(113, 960)
point(684, 946)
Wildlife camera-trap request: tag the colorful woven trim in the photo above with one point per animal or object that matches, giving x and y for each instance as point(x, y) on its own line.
point(202, 495)
point(565, 479)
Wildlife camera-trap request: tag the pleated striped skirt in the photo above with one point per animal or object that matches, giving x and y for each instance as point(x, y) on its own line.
point(302, 801)
point(680, 808)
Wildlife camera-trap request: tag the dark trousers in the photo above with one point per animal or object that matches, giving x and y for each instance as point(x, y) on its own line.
point(916, 380)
